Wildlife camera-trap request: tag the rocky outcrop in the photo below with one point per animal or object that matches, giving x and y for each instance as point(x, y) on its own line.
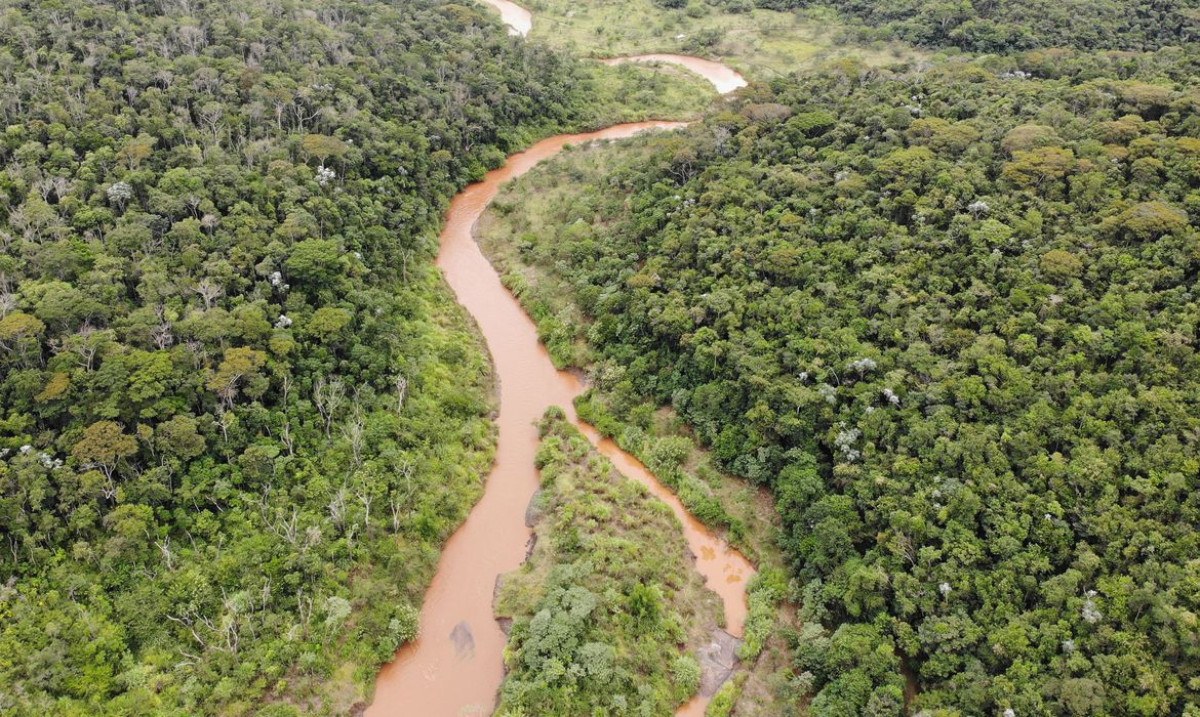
point(718, 659)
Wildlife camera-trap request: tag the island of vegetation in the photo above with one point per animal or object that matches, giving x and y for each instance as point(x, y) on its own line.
point(607, 596)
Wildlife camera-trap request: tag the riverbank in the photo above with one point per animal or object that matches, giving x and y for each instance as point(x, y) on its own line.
point(519, 235)
point(455, 664)
point(722, 77)
point(605, 547)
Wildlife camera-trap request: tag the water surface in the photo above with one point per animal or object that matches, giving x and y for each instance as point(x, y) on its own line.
point(518, 19)
point(455, 667)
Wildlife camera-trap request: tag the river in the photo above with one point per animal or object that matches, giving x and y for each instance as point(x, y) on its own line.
point(455, 667)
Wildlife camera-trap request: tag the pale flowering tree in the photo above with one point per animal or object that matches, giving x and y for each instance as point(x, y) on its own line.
point(119, 193)
point(400, 382)
point(845, 440)
point(208, 292)
point(162, 336)
point(210, 223)
point(328, 396)
point(355, 432)
point(862, 366)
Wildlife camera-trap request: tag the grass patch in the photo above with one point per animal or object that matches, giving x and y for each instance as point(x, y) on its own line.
point(633, 93)
point(760, 43)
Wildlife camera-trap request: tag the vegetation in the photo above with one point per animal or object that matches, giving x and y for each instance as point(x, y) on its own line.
point(724, 700)
point(945, 311)
point(632, 93)
point(1008, 25)
point(783, 36)
point(774, 33)
point(758, 41)
point(946, 314)
point(238, 410)
point(607, 597)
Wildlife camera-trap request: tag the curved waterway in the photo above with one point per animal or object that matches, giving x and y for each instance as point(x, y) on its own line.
point(722, 76)
point(455, 667)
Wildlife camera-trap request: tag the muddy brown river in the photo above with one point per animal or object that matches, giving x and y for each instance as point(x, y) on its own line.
point(455, 667)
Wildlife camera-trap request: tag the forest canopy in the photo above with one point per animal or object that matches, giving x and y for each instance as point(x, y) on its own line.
point(607, 597)
point(945, 311)
point(1003, 26)
point(947, 314)
point(239, 411)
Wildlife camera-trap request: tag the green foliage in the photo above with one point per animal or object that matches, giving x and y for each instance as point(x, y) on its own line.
point(754, 40)
point(607, 598)
point(952, 330)
point(238, 410)
point(1008, 25)
point(763, 595)
point(723, 701)
point(664, 456)
point(686, 674)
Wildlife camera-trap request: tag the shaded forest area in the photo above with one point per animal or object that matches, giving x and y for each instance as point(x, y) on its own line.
point(1008, 25)
point(1003, 26)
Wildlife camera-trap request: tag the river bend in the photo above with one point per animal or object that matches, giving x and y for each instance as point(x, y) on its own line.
point(455, 667)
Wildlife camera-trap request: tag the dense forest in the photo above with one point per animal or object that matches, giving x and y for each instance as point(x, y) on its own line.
point(239, 411)
point(1005, 25)
point(947, 313)
point(944, 310)
point(1000, 26)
